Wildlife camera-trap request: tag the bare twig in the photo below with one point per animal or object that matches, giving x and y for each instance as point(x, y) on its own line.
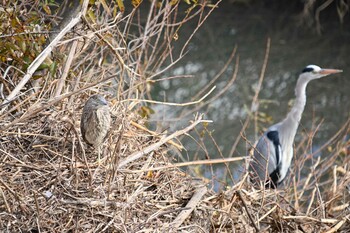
point(67, 66)
point(172, 104)
point(338, 225)
point(255, 98)
point(178, 146)
point(42, 56)
point(247, 210)
point(191, 163)
point(52, 102)
point(155, 146)
point(196, 198)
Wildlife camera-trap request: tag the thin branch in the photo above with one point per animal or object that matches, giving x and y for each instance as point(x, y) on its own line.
point(247, 210)
point(52, 102)
point(171, 104)
point(155, 146)
point(66, 69)
point(178, 146)
point(255, 98)
point(43, 55)
point(197, 196)
point(192, 163)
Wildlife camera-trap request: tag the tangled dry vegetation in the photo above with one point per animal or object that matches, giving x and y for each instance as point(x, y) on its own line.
point(313, 9)
point(50, 180)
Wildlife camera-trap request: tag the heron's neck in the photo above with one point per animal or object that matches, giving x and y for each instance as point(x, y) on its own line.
point(291, 122)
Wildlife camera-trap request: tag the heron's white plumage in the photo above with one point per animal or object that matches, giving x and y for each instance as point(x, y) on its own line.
point(314, 67)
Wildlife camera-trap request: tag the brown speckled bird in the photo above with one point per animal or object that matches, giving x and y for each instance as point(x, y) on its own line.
point(95, 121)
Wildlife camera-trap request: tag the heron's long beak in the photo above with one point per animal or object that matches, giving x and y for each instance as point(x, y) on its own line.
point(330, 71)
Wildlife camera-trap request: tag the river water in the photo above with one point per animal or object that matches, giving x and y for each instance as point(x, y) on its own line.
point(292, 47)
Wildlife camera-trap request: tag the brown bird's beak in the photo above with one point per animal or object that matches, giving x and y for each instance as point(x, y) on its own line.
point(330, 71)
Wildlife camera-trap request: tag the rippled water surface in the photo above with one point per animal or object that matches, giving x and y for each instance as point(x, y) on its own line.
point(292, 48)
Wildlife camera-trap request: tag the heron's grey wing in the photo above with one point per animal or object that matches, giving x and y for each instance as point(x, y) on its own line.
point(275, 175)
point(266, 157)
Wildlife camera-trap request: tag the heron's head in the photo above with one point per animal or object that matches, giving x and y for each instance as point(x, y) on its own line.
point(98, 100)
point(311, 72)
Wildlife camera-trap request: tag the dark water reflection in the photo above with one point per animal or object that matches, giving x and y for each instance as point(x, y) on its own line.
point(292, 48)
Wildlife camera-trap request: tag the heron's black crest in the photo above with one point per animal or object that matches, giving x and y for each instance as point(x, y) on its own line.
point(273, 136)
point(307, 69)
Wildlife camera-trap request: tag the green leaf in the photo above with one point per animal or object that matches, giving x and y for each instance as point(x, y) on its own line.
point(53, 67)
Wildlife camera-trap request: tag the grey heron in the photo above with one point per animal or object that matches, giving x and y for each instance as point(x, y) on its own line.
point(273, 152)
point(95, 121)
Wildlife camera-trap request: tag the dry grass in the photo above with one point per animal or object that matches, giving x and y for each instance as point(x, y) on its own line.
point(50, 180)
point(313, 10)
point(49, 184)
